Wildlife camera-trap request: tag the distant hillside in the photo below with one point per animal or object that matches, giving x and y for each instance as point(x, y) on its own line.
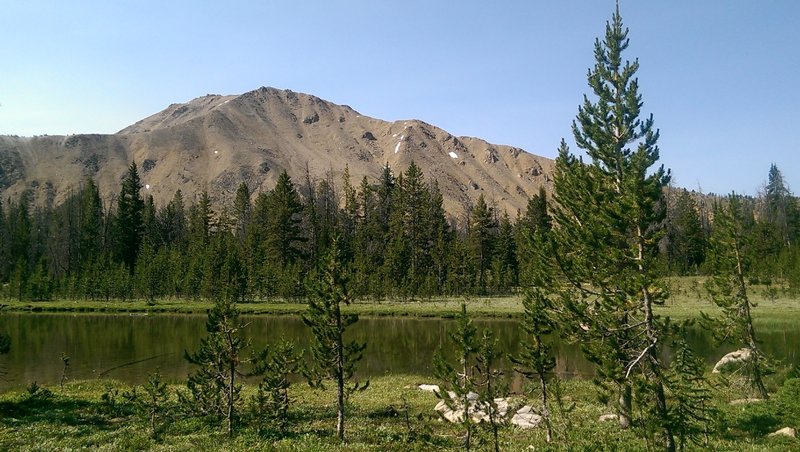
point(215, 142)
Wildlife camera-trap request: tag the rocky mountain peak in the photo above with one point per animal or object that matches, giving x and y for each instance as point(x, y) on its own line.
point(215, 142)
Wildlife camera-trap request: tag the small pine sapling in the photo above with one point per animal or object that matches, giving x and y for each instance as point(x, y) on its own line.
point(213, 391)
point(459, 382)
point(332, 357)
point(691, 414)
point(271, 401)
point(153, 404)
point(536, 362)
point(492, 386)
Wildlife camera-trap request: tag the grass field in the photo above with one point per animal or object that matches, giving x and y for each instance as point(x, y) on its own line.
point(392, 415)
point(687, 300)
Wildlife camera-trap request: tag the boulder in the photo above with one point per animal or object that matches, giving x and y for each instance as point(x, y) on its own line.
point(733, 359)
point(525, 417)
point(608, 417)
point(311, 119)
point(457, 414)
point(428, 388)
point(786, 431)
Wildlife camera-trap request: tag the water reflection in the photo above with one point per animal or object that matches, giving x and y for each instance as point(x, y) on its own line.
point(128, 347)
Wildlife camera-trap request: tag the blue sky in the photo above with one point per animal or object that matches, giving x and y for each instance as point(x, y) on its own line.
point(719, 76)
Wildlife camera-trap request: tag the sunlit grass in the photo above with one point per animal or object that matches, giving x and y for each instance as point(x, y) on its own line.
point(392, 415)
point(687, 299)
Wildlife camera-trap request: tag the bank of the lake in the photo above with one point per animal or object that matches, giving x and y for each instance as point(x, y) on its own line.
point(391, 415)
point(682, 305)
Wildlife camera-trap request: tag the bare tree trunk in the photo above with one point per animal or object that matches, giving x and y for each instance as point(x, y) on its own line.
point(545, 411)
point(625, 409)
point(652, 354)
point(465, 405)
point(750, 332)
point(339, 377)
point(231, 381)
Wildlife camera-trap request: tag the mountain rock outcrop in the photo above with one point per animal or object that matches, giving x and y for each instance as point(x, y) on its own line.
point(215, 142)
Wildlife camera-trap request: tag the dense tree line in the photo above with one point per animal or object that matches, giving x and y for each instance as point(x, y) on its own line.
point(394, 232)
point(770, 224)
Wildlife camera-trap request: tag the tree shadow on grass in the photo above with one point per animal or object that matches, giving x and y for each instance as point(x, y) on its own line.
point(47, 408)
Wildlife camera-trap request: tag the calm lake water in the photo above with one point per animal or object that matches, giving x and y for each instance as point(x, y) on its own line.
point(128, 347)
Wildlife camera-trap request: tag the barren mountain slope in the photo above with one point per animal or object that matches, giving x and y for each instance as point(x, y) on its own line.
point(215, 142)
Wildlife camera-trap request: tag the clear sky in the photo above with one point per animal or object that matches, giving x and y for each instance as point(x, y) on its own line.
point(720, 76)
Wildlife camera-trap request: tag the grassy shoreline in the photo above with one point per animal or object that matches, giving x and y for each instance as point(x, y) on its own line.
point(682, 305)
point(93, 414)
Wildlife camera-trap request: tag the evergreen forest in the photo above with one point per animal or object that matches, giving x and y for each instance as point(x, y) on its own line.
point(398, 241)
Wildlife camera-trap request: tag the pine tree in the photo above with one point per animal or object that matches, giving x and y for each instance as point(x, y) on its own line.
point(241, 210)
point(691, 413)
point(685, 235)
point(19, 229)
point(198, 241)
point(5, 258)
point(441, 237)
point(531, 226)
point(409, 241)
point(350, 213)
point(491, 385)
point(332, 357)
point(610, 214)
point(536, 361)
point(459, 381)
point(91, 223)
point(415, 227)
point(284, 235)
point(780, 208)
point(482, 233)
point(213, 389)
point(153, 404)
point(728, 287)
point(271, 402)
point(129, 222)
point(173, 229)
point(397, 261)
point(505, 263)
point(369, 245)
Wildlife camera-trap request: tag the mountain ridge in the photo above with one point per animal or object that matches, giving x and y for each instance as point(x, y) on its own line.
point(214, 142)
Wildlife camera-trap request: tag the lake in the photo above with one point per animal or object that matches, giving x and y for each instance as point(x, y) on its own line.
point(128, 347)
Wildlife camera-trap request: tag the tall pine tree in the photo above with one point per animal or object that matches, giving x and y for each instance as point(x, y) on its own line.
point(129, 221)
point(610, 214)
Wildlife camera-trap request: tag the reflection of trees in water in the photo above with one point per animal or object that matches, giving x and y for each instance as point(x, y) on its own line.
point(128, 347)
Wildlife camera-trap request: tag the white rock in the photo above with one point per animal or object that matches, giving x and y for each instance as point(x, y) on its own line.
point(737, 358)
point(608, 417)
point(786, 431)
point(525, 417)
point(428, 388)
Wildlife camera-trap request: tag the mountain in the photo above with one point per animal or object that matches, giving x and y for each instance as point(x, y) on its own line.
point(215, 142)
